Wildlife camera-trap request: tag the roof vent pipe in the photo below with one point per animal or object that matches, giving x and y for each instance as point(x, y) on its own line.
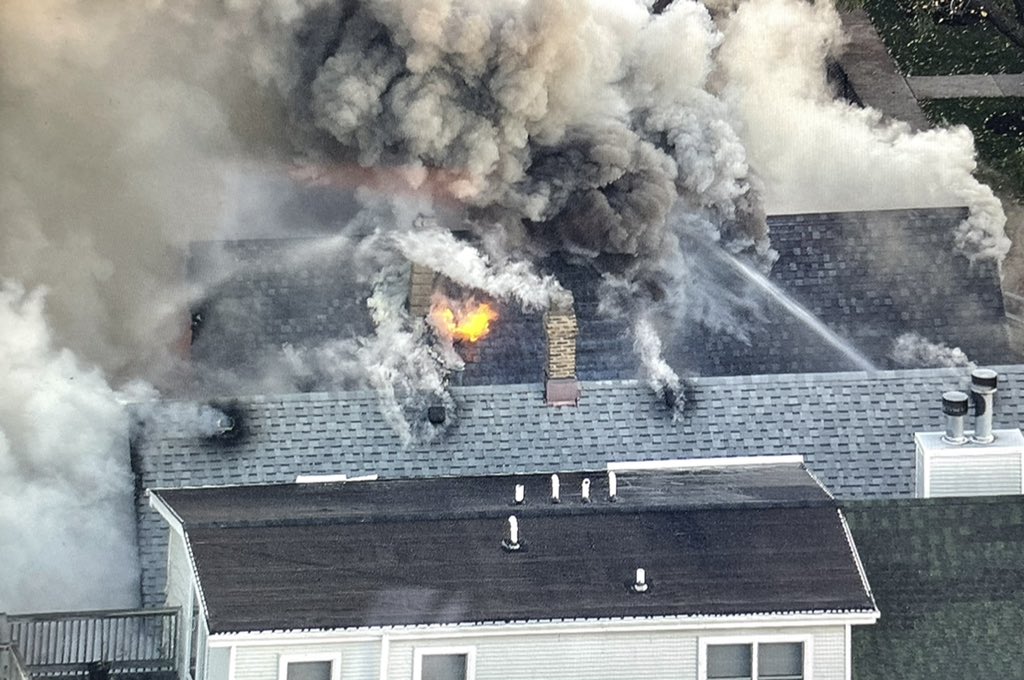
point(520, 494)
point(511, 541)
point(955, 407)
point(983, 390)
point(554, 489)
point(640, 584)
point(613, 486)
point(585, 490)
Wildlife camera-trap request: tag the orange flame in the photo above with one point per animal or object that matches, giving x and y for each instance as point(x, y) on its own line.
point(468, 321)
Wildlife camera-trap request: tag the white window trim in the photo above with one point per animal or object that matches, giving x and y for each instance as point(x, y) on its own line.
point(754, 640)
point(285, 659)
point(420, 652)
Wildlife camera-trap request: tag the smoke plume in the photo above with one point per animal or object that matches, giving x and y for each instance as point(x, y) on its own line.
point(815, 153)
point(66, 525)
point(590, 127)
point(912, 350)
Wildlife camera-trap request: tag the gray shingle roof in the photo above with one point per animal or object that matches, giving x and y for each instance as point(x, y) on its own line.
point(870, 276)
point(855, 431)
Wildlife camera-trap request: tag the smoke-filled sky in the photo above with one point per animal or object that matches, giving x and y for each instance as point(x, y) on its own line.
point(587, 126)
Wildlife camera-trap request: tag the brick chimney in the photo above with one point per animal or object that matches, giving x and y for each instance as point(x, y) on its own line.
point(560, 330)
point(421, 288)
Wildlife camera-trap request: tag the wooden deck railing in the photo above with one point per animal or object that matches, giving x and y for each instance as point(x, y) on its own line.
point(74, 643)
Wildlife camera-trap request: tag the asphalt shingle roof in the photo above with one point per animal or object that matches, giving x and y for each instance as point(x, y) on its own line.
point(713, 542)
point(869, 276)
point(948, 576)
point(854, 430)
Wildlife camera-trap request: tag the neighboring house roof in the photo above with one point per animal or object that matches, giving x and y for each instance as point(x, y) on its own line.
point(948, 575)
point(759, 539)
point(870, 276)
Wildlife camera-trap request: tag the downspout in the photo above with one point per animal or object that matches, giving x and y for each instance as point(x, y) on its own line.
point(385, 652)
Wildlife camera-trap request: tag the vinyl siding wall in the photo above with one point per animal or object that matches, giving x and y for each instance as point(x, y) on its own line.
point(594, 655)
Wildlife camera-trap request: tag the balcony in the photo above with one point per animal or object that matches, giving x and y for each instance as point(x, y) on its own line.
point(97, 645)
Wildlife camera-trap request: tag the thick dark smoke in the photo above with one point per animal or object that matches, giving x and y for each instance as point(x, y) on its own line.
point(523, 111)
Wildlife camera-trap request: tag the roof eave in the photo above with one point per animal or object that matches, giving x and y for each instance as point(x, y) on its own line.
point(537, 626)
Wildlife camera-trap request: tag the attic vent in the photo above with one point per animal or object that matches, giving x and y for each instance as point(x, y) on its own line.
point(436, 415)
point(955, 407)
point(585, 490)
point(554, 489)
point(225, 424)
point(520, 494)
point(983, 390)
point(613, 486)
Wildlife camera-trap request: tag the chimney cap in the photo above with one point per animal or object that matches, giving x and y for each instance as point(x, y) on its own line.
point(984, 377)
point(955, 403)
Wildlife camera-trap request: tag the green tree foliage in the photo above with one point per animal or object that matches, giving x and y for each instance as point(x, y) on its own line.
point(946, 37)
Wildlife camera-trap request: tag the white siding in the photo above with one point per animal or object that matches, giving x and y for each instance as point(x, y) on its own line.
point(179, 572)
point(594, 656)
point(975, 474)
point(548, 656)
point(359, 660)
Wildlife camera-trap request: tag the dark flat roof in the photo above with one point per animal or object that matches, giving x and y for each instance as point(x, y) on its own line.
point(327, 556)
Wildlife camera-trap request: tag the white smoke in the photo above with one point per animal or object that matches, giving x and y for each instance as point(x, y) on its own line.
point(818, 154)
point(549, 124)
point(660, 376)
point(912, 350)
point(66, 524)
point(465, 265)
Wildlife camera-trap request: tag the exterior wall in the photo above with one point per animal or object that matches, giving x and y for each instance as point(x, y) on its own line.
point(179, 574)
point(597, 655)
point(359, 660)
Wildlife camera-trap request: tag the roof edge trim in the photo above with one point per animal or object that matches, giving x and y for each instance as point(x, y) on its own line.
point(579, 626)
point(856, 558)
point(692, 463)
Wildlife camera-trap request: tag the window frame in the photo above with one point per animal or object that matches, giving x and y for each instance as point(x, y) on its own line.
point(754, 640)
point(419, 652)
point(285, 659)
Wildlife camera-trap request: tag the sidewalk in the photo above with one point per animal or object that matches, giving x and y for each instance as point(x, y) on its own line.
point(873, 74)
point(950, 87)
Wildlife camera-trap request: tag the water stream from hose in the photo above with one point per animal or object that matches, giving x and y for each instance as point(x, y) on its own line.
point(798, 312)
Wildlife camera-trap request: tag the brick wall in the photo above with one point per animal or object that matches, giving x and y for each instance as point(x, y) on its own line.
point(560, 331)
point(421, 287)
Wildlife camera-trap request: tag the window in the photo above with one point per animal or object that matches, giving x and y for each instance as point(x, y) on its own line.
point(444, 663)
point(762, 659)
point(309, 667)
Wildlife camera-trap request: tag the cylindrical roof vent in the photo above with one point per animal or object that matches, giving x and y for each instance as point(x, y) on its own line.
point(585, 490)
point(613, 486)
point(554, 489)
point(983, 391)
point(640, 583)
point(955, 406)
point(511, 540)
point(520, 496)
